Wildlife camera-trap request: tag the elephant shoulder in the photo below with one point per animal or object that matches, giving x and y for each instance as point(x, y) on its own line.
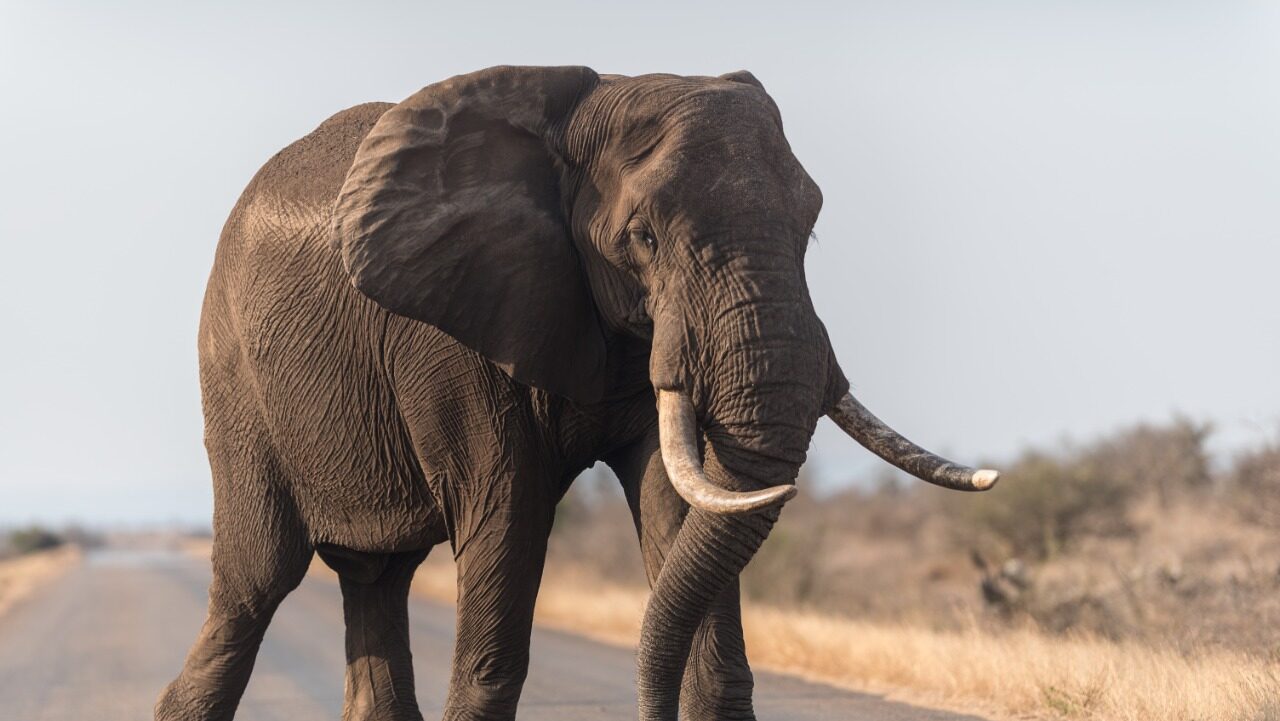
point(288, 203)
point(313, 167)
point(273, 248)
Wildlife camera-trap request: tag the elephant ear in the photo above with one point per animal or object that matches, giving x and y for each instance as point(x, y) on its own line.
point(742, 76)
point(452, 215)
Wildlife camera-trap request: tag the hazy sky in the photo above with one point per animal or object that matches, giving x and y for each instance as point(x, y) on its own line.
point(1042, 220)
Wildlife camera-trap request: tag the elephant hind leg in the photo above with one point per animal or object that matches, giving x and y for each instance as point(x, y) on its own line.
point(375, 603)
point(260, 554)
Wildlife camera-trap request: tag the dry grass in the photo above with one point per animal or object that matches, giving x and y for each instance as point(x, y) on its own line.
point(1013, 674)
point(1020, 672)
point(24, 574)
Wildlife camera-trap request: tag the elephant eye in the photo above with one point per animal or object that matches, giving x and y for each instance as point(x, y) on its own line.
point(644, 238)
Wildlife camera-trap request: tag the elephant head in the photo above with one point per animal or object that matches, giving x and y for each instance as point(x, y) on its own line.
point(537, 215)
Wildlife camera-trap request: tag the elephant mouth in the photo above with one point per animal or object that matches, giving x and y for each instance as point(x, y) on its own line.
point(678, 440)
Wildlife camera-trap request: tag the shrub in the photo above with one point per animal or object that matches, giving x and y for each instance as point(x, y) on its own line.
point(1160, 459)
point(32, 539)
point(1254, 483)
point(1046, 502)
point(1050, 500)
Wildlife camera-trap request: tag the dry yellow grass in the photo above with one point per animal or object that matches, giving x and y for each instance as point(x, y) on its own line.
point(24, 574)
point(1018, 674)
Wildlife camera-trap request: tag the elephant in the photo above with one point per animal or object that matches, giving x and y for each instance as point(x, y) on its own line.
point(425, 319)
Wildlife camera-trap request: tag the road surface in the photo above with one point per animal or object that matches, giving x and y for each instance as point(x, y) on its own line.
point(100, 642)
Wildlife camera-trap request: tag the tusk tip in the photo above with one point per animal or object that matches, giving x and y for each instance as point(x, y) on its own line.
point(984, 479)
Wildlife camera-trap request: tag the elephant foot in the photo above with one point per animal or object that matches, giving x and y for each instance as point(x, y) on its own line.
point(369, 711)
point(705, 714)
point(484, 706)
point(716, 703)
point(181, 701)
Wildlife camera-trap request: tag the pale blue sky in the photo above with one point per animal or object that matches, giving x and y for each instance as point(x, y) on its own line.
point(1043, 219)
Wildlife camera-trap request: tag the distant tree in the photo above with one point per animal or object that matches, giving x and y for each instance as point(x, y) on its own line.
point(78, 535)
point(1254, 483)
point(32, 539)
point(1047, 502)
point(1050, 500)
point(1162, 459)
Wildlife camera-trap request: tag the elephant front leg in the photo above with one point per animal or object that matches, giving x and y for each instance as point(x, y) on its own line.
point(498, 577)
point(375, 602)
point(718, 683)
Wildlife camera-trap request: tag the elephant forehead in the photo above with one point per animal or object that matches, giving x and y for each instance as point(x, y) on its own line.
point(710, 115)
point(626, 117)
point(713, 185)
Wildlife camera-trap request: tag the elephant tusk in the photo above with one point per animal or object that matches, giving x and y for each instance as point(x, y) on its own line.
point(678, 437)
point(863, 427)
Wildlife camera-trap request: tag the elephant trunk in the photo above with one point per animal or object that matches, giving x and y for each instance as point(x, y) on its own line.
point(710, 551)
point(760, 403)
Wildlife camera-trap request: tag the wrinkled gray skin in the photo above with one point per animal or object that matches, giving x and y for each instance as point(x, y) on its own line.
point(533, 251)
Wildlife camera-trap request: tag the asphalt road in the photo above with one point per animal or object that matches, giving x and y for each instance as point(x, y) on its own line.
point(100, 642)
